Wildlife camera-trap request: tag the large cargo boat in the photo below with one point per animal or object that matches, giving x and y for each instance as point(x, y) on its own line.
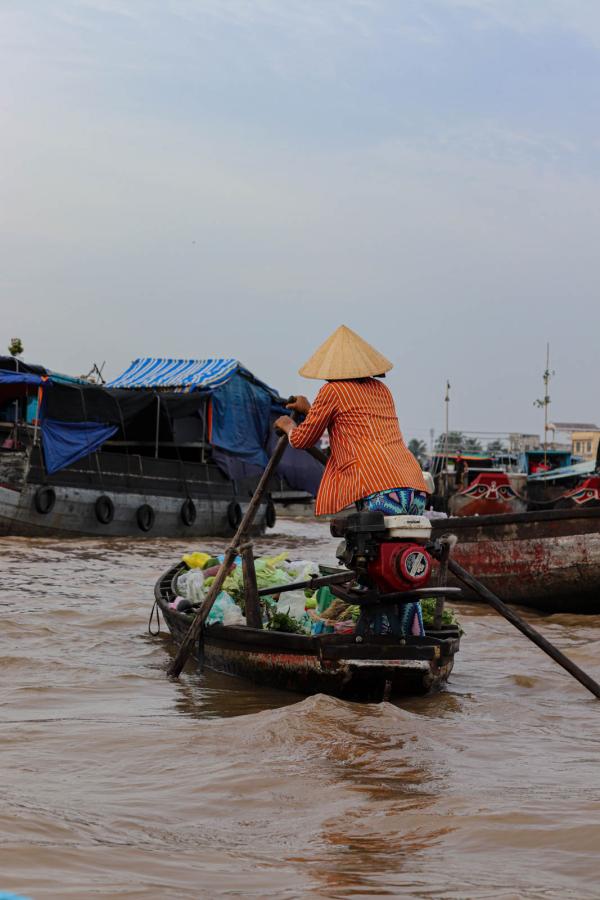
point(172, 447)
point(549, 560)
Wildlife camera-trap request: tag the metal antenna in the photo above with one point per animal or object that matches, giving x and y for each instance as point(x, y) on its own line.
point(447, 402)
point(545, 402)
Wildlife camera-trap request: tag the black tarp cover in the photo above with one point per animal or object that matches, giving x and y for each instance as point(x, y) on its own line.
point(93, 403)
point(77, 403)
point(11, 364)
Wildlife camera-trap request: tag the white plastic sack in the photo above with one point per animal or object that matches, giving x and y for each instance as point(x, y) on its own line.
point(190, 585)
point(292, 604)
point(302, 569)
point(225, 611)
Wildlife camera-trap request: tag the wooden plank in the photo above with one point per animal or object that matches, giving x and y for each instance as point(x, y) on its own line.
point(464, 523)
point(243, 635)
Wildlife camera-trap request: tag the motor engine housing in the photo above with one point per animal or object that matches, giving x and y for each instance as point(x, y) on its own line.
point(386, 552)
point(400, 566)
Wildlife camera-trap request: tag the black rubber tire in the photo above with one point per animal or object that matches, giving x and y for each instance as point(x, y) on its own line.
point(104, 509)
point(234, 515)
point(145, 517)
point(44, 499)
point(270, 515)
point(188, 512)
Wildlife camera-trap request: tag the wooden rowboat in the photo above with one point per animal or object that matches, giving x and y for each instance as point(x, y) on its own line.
point(549, 560)
point(342, 665)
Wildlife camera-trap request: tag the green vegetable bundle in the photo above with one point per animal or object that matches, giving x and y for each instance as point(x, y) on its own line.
point(428, 610)
point(280, 621)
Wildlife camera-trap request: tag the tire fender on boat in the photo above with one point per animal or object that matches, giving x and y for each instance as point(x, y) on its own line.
point(145, 516)
point(270, 515)
point(44, 499)
point(188, 512)
point(234, 514)
point(104, 509)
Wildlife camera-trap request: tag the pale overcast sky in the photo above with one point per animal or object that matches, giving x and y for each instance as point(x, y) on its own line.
point(199, 178)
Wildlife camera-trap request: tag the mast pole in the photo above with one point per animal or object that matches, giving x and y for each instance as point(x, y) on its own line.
point(546, 402)
point(447, 402)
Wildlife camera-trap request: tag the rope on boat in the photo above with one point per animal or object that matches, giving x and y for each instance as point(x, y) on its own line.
point(157, 632)
point(536, 504)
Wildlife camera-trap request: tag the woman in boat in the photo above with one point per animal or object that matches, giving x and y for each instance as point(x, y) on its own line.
point(370, 464)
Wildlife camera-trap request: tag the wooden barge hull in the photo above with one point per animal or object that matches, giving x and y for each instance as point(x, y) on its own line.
point(374, 669)
point(548, 560)
point(73, 515)
point(129, 484)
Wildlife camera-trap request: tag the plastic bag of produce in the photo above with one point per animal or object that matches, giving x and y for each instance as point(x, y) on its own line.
point(268, 576)
point(292, 604)
point(190, 585)
point(301, 569)
point(275, 562)
point(225, 611)
point(324, 600)
point(345, 627)
point(234, 584)
point(196, 560)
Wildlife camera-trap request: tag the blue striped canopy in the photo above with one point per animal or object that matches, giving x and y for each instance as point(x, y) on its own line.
point(177, 374)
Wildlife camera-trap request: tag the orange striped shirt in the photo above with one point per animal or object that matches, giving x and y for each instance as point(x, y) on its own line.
point(368, 453)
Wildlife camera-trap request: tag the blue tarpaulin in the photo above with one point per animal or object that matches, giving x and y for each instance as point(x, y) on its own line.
point(18, 386)
point(301, 471)
point(243, 409)
point(18, 378)
point(66, 442)
point(241, 419)
point(176, 374)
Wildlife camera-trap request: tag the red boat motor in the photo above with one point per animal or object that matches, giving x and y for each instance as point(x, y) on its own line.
point(392, 565)
point(387, 553)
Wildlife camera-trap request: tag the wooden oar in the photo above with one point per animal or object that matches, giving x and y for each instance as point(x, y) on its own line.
point(533, 635)
point(196, 627)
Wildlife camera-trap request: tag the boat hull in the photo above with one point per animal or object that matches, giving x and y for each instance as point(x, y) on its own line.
point(491, 493)
point(73, 515)
point(371, 670)
point(162, 485)
point(546, 560)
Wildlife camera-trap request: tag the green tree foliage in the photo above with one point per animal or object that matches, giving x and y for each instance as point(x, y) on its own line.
point(418, 449)
point(15, 348)
point(457, 441)
point(496, 447)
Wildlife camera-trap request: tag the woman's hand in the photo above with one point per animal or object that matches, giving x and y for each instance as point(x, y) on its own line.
point(285, 424)
point(300, 404)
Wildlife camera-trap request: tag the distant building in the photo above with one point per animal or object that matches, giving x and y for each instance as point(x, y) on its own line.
point(566, 429)
point(585, 442)
point(520, 443)
point(582, 437)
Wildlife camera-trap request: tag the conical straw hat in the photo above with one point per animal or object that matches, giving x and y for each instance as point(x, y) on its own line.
point(345, 355)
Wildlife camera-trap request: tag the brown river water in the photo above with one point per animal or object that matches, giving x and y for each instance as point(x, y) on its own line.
point(117, 782)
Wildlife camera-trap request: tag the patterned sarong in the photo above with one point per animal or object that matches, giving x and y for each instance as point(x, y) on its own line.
point(397, 502)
